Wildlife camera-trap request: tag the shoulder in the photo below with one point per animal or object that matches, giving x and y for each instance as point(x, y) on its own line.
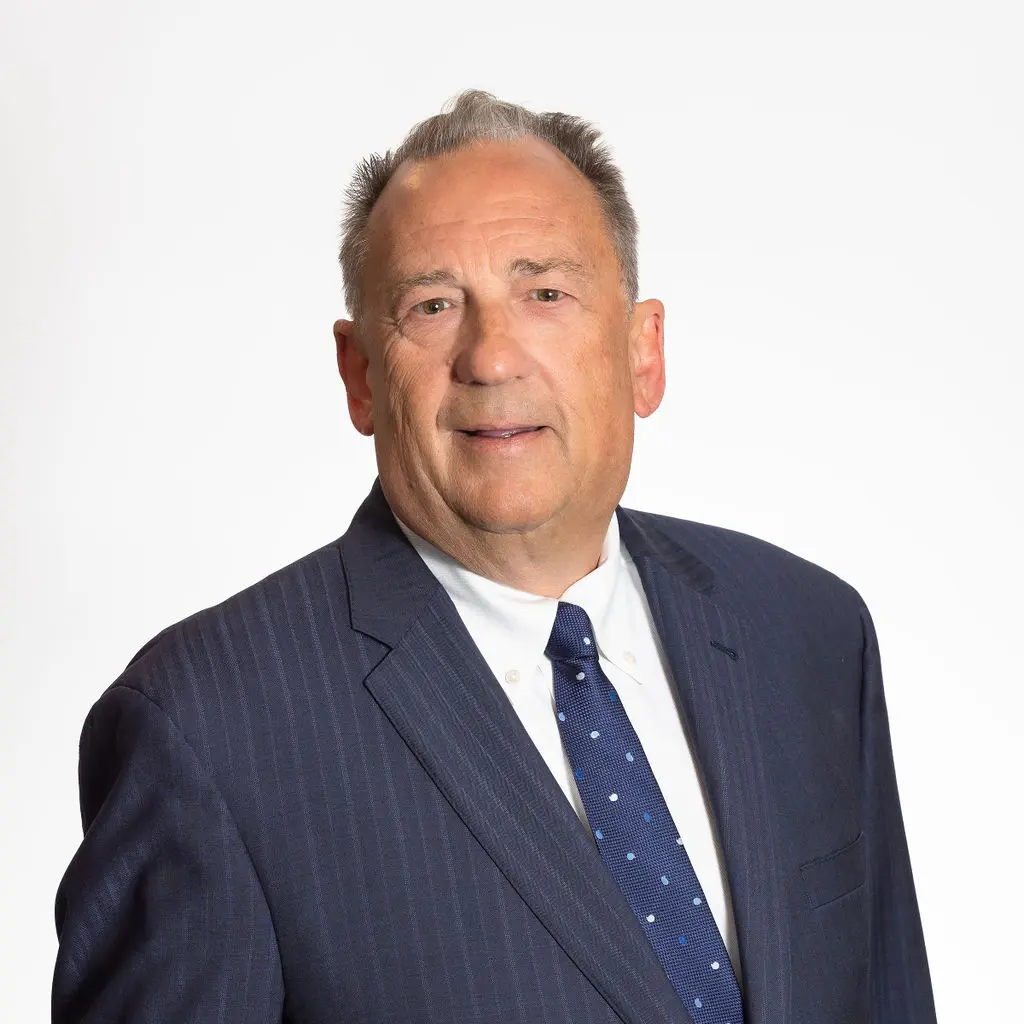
point(225, 654)
point(766, 583)
point(736, 557)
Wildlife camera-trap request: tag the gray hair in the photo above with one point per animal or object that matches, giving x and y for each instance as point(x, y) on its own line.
point(471, 116)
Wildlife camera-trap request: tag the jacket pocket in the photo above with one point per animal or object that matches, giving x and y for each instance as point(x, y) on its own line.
point(827, 878)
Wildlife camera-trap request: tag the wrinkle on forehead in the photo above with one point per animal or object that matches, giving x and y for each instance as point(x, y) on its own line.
point(494, 227)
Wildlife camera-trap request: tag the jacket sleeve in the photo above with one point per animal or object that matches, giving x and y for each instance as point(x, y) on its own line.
point(160, 915)
point(900, 991)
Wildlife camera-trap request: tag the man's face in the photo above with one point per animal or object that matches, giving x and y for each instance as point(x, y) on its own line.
point(495, 362)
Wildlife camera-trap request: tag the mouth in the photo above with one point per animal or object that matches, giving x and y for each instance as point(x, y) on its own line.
point(500, 432)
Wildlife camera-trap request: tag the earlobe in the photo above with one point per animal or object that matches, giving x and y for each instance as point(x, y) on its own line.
point(353, 365)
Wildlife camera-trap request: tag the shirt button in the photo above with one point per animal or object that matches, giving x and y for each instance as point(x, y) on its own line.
point(630, 658)
point(512, 675)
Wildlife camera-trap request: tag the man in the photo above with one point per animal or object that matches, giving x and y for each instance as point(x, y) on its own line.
point(505, 751)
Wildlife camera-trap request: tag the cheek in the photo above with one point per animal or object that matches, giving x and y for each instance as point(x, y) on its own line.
point(598, 388)
point(412, 391)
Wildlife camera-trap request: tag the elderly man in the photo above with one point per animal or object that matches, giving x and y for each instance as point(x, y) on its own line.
point(506, 751)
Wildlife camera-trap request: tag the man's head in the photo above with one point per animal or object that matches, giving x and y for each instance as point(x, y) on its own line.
point(490, 270)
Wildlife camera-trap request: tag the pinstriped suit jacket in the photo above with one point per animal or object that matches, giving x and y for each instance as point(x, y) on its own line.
point(312, 802)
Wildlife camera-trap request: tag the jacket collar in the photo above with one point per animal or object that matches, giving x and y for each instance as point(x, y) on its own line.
point(394, 584)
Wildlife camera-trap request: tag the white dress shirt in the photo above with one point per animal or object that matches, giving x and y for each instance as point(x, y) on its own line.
point(511, 629)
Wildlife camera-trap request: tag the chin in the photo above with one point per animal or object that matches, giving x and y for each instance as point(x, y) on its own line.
point(509, 507)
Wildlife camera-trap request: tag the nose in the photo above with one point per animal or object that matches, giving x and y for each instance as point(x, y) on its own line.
point(489, 350)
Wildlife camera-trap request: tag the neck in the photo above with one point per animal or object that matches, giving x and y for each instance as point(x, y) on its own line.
point(545, 561)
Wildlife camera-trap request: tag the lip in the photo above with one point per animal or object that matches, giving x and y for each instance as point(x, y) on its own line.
point(508, 429)
point(505, 443)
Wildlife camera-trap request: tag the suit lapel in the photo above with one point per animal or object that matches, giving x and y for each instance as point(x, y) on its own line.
point(720, 667)
point(438, 692)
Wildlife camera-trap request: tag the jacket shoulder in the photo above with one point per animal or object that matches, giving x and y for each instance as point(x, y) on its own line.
point(759, 577)
point(226, 650)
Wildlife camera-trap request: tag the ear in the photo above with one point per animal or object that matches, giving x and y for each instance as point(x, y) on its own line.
point(647, 355)
point(353, 365)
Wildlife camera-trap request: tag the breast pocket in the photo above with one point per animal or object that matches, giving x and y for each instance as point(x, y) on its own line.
point(827, 878)
point(830, 939)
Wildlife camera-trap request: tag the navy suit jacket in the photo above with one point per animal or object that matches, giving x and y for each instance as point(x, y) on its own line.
point(314, 803)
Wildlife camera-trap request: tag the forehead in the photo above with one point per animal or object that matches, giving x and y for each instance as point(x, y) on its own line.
point(517, 192)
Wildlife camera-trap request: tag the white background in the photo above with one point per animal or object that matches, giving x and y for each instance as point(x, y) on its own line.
point(830, 208)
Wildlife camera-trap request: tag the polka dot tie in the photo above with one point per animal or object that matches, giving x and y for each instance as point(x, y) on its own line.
point(633, 828)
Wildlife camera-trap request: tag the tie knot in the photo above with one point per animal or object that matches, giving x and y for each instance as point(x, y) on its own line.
point(572, 636)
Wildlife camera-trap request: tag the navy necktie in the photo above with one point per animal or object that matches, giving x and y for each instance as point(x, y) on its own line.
point(635, 835)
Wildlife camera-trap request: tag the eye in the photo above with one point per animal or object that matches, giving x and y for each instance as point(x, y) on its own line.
point(431, 307)
point(547, 294)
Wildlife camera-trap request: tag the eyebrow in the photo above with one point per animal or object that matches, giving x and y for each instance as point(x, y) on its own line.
point(518, 266)
point(522, 266)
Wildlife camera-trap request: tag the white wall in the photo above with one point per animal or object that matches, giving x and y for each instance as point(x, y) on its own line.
point(830, 208)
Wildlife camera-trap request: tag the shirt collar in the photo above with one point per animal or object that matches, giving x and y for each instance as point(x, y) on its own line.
point(511, 627)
